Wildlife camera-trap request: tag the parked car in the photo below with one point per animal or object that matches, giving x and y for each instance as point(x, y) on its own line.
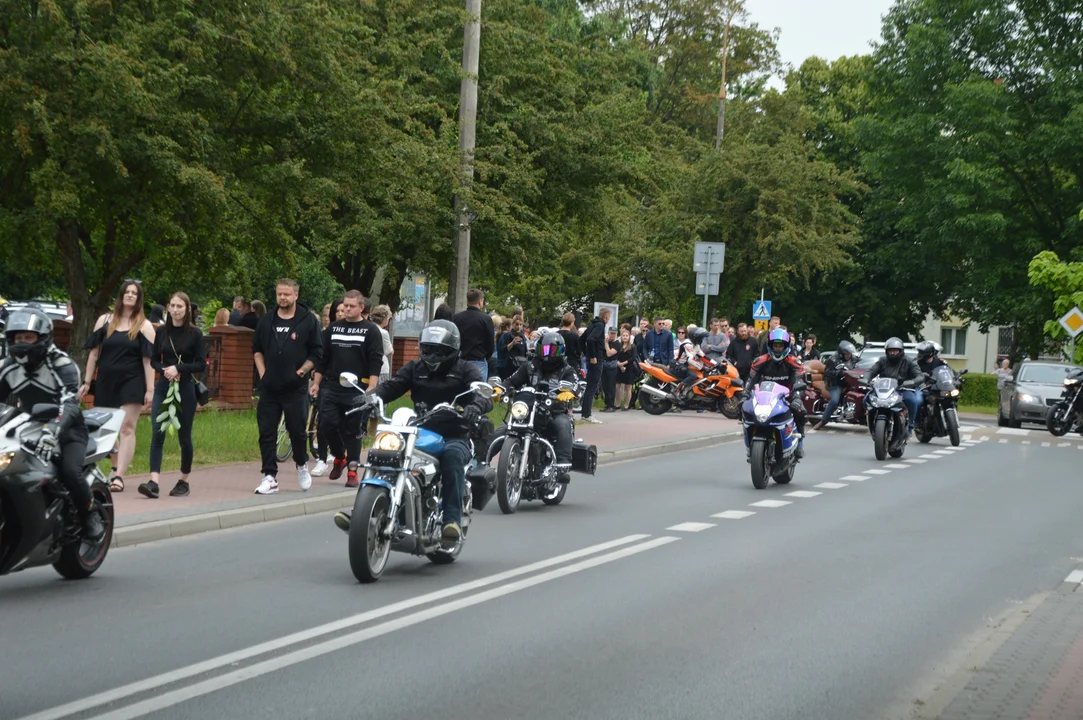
point(1030, 391)
point(873, 351)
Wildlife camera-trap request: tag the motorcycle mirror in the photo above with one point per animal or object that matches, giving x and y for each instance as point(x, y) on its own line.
point(495, 380)
point(347, 379)
point(963, 372)
point(485, 390)
point(44, 411)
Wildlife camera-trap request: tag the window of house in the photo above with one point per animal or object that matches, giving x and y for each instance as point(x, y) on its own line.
point(953, 340)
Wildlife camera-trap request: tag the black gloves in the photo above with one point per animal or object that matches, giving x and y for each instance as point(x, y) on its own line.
point(471, 414)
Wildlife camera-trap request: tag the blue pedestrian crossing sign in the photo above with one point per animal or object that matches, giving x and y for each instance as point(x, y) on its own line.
point(761, 310)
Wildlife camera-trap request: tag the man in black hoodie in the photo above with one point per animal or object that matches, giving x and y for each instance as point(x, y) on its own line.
point(594, 346)
point(285, 347)
point(349, 345)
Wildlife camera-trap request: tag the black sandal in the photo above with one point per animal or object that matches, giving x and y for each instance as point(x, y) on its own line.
point(116, 484)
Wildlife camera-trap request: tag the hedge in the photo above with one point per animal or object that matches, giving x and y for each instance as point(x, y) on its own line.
point(979, 389)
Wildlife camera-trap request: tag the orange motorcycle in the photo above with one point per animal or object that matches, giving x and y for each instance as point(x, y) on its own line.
point(717, 387)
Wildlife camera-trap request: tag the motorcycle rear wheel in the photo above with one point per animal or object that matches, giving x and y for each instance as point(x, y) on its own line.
point(1059, 419)
point(80, 560)
point(368, 551)
point(760, 464)
point(651, 404)
point(784, 477)
point(879, 438)
point(731, 407)
point(559, 497)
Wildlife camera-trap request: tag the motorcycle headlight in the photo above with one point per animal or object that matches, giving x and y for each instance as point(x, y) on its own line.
point(389, 441)
point(762, 412)
point(519, 410)
point(5, 460)
point(954, 393)
point(1071, 381)
point(1023, 397)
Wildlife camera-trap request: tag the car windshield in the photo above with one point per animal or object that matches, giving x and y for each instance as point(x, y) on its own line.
point(869, 356)
point(1044, 374)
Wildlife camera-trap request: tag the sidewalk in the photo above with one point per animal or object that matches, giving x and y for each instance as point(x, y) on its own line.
point(223, 496)
point(1031, 668)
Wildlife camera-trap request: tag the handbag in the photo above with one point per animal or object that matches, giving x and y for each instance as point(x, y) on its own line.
point(203, 393)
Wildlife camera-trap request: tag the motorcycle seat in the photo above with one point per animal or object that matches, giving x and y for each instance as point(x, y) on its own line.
point(92, 424)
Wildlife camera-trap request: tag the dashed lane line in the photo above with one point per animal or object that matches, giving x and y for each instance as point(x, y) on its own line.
point(831, 486)
point(734, 514)
point(854, 478)
point(875, 471)
point(897, 466)
point(771, 503)
point(691, 527)
point(803, 494)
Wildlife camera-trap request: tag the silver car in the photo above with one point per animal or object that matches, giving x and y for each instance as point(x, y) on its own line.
point(1028, 394)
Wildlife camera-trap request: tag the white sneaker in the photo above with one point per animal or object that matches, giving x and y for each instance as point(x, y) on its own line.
point(269, 486)
point(592, 420)
point(303, 478)
point(320, 470)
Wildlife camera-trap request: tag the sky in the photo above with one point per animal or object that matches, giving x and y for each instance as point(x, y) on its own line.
point(827, 28)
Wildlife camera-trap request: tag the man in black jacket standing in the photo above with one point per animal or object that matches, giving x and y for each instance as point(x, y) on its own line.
point(285, 348)
point(743, 350)
point(476, 332)
point(594, 346)
point(349, 345)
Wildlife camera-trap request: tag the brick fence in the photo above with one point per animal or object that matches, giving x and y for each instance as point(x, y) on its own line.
point(230, 370)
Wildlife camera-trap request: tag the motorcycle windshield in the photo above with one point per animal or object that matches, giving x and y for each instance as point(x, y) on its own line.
point(885, 386)
point(944, 379)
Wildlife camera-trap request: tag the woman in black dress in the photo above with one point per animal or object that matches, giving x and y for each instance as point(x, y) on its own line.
point(120, 351)
point(627, 368)
point(178, 353)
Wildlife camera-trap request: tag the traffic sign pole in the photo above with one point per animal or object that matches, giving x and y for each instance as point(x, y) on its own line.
point(707, 263)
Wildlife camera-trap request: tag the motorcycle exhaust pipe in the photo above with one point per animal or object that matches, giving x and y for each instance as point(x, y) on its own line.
point(661, 394)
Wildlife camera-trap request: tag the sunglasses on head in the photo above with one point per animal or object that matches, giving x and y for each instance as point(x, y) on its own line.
point(134, 281)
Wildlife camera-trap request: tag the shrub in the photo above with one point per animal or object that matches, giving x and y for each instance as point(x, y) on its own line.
point(979, 389)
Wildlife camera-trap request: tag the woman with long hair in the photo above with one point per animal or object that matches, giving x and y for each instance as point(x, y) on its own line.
point(120, 350)
point(178, 353)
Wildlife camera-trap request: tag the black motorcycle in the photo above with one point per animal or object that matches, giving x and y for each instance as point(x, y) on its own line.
point(39, 524)
point(1068, 412)
point(938, 416)
point(527, 466)
point(887, 416)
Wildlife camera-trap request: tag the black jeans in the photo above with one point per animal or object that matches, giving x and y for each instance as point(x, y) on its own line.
point(594, 377)
point(343, 432)
point(609, 384)
point(272, 406)
point(72, 445)
point(187, 419)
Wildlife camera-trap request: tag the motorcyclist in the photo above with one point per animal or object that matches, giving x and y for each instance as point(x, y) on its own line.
point(691, 357)
point(929, 357)
point(37, 371)
point(894, 364)
point(834, 366)
point(780, 366)
point(439, 377)
point(548, 365)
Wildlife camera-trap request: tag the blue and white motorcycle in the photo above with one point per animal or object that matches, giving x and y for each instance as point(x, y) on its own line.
point(887, 416)
point(398, 505)
point(770, 434)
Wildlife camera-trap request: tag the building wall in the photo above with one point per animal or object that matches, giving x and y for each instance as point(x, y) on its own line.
point(980, 352)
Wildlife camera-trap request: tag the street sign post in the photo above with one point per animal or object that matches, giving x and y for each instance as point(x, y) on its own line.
point(761, 313)
point(1073, 323)
point(707, 263)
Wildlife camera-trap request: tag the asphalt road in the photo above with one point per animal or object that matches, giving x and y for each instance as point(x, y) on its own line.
point(629, 601)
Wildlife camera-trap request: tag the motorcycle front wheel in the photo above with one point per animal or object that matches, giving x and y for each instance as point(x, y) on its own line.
point(760, 463)
point(951, 417)
point(368, 551)
point(879, 438)
point(1059, 419)
point(509, 486)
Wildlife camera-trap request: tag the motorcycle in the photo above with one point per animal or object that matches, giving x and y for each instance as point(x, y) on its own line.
point(526, 470)
point(770, 434)
point(938, 416)
point(398, 505)
point(851, 408)
point(717, 387)
point(39, 524)
point(1068, 412)
point(887, 416)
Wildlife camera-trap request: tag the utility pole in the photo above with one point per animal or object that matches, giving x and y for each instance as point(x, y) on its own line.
point(468, 114)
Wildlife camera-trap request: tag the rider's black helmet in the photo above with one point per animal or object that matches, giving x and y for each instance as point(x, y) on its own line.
point(846, 347)
point(927, 350)
point(29, 319)
point(697, 335)
point(439, 344)
point(893, 349)
point(550, 350)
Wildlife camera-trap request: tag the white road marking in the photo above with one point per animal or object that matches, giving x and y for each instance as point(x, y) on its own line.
point(915, 461)
point(1026, 442)
point(771, 503)
point(897, 466)
point(691, 527)
point(1013, 431)
point(855, 478)
point(210, 685)
point(831, 486)
point(803, 494)
point(1076, 576)
point(734, 514)
point(1064, 444)
point(875, 471)
point(929, 457)
point(1045, 444)
point(223, 661)
point(943, 452)
point(1003, 442)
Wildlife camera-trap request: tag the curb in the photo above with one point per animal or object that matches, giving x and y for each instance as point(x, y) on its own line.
point(224, 520)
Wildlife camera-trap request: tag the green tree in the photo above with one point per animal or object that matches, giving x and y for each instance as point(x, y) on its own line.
point(1063, 282)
